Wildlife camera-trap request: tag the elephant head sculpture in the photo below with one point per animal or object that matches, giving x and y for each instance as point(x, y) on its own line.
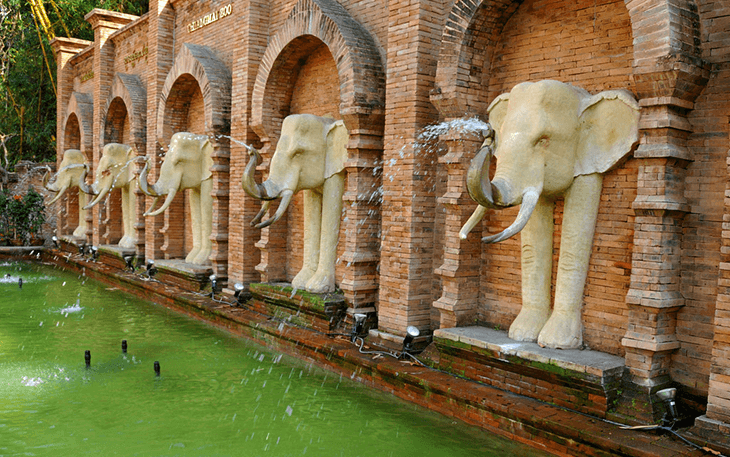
point(186, 166)
point(71, 173)
point(114, 171)
point(551, 140)
point(309, 156)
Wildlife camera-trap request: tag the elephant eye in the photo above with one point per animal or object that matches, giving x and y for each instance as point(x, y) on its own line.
point(106, 172)
point(542, 141)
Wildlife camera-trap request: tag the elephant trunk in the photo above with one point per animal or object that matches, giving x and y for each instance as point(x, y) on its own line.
point(85, 188)
point(99, 196)
point(248, 182)
point(286, 197)
point(144, 186)
point(529, 202)
point(480, 188)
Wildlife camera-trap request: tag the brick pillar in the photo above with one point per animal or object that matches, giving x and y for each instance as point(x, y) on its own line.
point(159, 62)
point(251, 39)
point(459, 271)
point(361, 201)
point(667, 91)
point(104, 23)
point(408, 210)
point(219, 233)
point(64, 49)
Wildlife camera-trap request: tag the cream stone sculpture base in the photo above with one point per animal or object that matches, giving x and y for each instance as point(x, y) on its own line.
point(183, 274)
point(310, 156)
point(551, 140)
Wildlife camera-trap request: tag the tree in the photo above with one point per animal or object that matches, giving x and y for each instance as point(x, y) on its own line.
point(27, 68)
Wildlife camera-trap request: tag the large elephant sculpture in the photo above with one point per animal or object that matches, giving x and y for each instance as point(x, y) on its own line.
point(114, 171)
point(186, 166)
point(309, 156)
point(551, 139)
point(71, 174)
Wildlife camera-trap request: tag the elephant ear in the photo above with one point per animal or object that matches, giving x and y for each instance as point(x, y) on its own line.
point(337, 137)
point(497, 111)
point(207, 161)
point(609, 129)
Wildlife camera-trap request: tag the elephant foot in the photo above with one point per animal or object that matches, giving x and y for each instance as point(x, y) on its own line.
point(202, 257)
point(127, 242)
point(301, 279)
point(562, 331)
point(192, 255)
point(527, 325)
point(321, 283)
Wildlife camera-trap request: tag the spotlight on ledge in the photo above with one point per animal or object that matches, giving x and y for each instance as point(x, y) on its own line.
point(358, 325)
point(94, 253)
point(82, 249)
point(54, 238)
point(129, 259)
point(668, 396)
point(213, 285)
point(151, 270)
point(238, 287)
point(411, 333)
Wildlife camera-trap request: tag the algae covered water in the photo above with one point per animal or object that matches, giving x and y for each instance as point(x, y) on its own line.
point(216, 395)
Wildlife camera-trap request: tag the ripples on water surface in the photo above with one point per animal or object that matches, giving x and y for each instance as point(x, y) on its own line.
point(218, 395)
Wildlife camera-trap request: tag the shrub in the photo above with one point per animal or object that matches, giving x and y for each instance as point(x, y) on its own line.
point(21, 217)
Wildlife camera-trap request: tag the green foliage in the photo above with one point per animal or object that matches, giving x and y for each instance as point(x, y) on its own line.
point(27, 70)
point(21, 217)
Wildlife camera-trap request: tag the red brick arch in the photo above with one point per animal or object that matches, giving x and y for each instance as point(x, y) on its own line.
point(214, 81)
point(473, 28)
point(130, 92)
point(81, 109)
point(310, 23)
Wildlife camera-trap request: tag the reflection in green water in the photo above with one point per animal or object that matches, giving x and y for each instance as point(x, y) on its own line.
point(218, 395)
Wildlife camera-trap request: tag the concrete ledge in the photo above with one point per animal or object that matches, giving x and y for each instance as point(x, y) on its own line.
point(185, 275)
point(588, 381)
point(321, 312)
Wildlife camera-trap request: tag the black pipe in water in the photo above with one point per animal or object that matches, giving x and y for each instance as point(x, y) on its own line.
point(157, 368)
point(87, 358)
point(124, 346)
point(20, 283)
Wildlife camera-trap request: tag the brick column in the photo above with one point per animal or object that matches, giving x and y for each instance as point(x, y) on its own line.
point(219, 233)
point(406, 264)
point(362, 210)
point(104, 23)
point(251, 36)
point(64, 49)
point(160, 41)
point(459, 271)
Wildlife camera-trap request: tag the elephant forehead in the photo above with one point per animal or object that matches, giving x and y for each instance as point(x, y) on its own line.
point(186, 136)
point(72, 156)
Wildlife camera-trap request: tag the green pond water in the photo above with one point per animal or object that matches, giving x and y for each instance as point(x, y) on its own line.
point(217, 394)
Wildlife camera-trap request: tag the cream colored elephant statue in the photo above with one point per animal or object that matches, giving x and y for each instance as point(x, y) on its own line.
point(114, 171)
point(71, 174)
point(186, 166)
point(551, 140)
point(309, 156)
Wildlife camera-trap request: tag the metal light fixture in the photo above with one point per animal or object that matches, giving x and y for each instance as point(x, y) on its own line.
point(151, 270)
point(54, 238)
point(129, 259)
point(668, 396)
point(213, 285)
point(238, 287)
point(358, 325)
point(82, 249)
point(411, 333)
point(94, 253)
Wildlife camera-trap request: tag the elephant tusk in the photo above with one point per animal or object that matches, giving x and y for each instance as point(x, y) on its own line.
point(475, 218)
point(154, 203)
point(260, 214)
point(99, 196)
point(529, 202)
point(60, 191)
point(286, 197)
point(165, 205)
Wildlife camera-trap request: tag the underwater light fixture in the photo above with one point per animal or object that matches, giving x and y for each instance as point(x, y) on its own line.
point(411, 333)
point(238, 287)
point(54, 238)
point(668, 396)
point(213, 285)
point(151, 270)
point(358, 325)
point(129, 259)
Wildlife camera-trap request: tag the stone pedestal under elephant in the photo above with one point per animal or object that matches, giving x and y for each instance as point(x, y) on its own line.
point(71, 174)
point(309, 156)
point(114, 171)
point(186, 166)
point(551, 140)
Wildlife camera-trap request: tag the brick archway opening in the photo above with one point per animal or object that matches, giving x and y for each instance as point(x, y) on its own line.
point(116, 130)
point(72, 140)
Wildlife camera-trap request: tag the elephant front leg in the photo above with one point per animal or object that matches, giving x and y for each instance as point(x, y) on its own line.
point(203, 202)
point(324, 278)
point(537, 257)
point(128, 239)
point(80, 231)
point(312, 229)
point(564, 329)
